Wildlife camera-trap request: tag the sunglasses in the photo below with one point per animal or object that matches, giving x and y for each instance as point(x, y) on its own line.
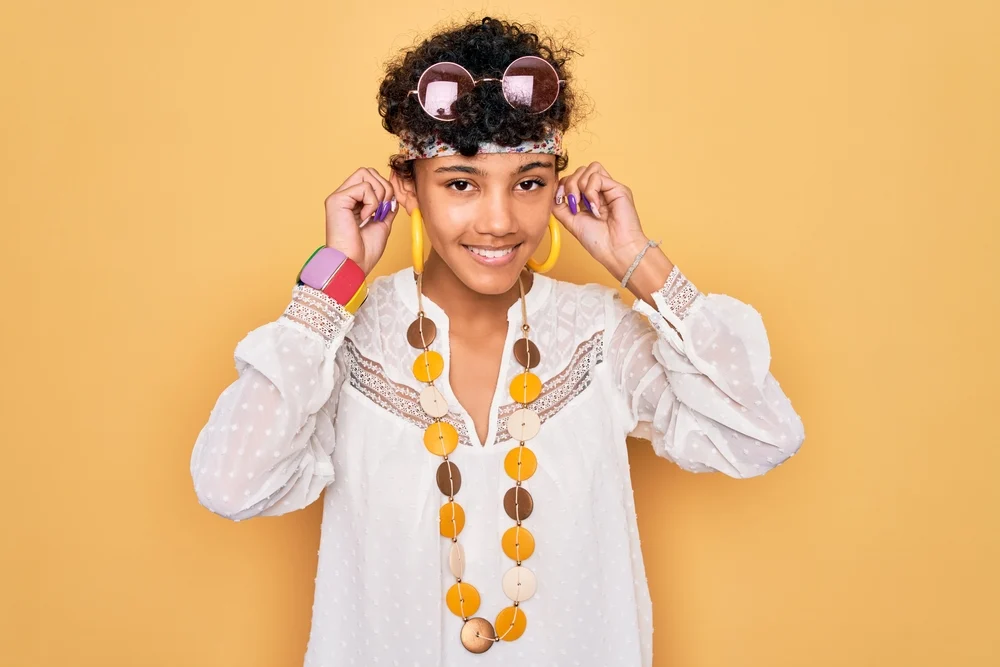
point(529, 83)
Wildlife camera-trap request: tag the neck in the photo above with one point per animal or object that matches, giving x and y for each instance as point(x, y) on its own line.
point(468, 310)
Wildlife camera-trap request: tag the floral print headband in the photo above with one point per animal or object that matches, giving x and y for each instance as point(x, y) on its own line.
point(411, 147)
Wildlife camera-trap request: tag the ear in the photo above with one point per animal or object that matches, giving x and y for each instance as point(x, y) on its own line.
point(405, 190)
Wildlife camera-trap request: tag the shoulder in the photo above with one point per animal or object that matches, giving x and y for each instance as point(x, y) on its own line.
point(378, 318)
point(587, 299)
point(582, 310)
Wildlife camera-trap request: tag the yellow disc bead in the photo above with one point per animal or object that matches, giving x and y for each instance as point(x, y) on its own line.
point(450, 511)
point(525, 387)
point(518, 543)
point(523, 456)
point(462, 597)
point(428, 366)
point(440, 438)
point(511, 623)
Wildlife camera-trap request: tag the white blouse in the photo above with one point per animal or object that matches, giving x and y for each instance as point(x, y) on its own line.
point(327, 400)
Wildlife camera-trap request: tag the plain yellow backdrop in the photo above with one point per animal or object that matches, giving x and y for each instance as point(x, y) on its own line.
point(835, 164)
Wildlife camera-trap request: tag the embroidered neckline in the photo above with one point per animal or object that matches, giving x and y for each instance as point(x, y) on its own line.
point(370, 379)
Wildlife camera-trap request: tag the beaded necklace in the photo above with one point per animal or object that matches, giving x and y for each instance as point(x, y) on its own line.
point(440, 439)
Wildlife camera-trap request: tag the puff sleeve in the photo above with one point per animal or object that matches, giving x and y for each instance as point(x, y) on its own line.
point(693, 378)
point(267, 445)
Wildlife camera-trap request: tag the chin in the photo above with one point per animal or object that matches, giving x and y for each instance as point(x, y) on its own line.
point(489, 275)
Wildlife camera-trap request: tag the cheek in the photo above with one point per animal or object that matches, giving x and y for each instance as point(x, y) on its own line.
point(446, 227)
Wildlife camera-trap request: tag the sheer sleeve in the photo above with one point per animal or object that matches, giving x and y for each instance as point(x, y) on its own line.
point(266, 448)
point(693, 377)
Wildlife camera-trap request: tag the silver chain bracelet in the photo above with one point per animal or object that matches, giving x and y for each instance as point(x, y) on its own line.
point(638, 258)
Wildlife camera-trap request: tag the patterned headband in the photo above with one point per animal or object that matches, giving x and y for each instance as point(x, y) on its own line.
point(411, 147)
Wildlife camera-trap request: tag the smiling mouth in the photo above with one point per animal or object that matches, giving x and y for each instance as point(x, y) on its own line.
point(493, 253)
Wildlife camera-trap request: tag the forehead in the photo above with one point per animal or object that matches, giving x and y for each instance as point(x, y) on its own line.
point(490, 164)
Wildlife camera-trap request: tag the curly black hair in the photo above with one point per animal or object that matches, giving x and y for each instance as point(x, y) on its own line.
point(485, 48)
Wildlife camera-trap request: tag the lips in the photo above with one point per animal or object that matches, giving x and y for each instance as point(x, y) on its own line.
point(493, 256)
point(492, 253)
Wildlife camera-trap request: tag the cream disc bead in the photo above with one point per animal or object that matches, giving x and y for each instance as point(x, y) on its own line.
point(456, 560)
point(433, 402)
point(523, 424)
point(519, 583)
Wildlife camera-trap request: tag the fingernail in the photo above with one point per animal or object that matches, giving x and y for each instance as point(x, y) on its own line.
point(383, 208)
point(586, 202)
point(392, 205)
point(560, 193)
point(572, 204)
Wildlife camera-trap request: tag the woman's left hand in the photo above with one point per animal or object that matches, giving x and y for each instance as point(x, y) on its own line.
point(610, 230)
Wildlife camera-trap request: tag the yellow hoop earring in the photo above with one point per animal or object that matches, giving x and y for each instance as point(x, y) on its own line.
point(554, 245)
point(417, 240)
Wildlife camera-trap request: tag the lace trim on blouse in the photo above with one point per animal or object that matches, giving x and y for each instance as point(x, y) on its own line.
point(318, 312)
point(369, 378)
point(679, 293)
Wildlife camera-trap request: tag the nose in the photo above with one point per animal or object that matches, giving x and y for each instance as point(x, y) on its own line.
point(496, 217)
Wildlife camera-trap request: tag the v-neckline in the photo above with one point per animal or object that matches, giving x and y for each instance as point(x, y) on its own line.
point(406, 287)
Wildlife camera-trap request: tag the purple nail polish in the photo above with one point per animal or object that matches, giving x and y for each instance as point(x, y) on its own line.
point(572, 204)
point(586, 202)
point(381, 211)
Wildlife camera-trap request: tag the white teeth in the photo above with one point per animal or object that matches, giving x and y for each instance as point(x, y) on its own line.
point(492, 254)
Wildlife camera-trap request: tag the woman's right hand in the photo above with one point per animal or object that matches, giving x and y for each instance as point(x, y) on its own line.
point(352, 225)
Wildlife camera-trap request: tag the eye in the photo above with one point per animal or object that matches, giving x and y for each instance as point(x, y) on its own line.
point(464, 185)
point(531, 181)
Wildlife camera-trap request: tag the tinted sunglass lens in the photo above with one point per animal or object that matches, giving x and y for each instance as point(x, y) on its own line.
point(440, 85)
point(531, 83)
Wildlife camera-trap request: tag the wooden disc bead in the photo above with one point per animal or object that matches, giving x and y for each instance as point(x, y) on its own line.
point(478, 635)
point(520, 463)
point(440, 438)
point(428, 366)
point(456, 560)
point(462, 597)
point(511, 623)
point(518, 543)
point(413, 333)
point(525, 387)
point(523, 424)
point(433, 401)
point(519, 583)
point(517, 503)
point(449, 479)
point(452, 519)
point(526, 353)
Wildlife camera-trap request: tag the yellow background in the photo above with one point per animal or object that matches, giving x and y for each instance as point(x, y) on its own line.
point(832, 163)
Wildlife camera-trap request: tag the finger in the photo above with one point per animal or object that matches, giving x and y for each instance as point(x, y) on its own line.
point(368, 175)
point(361, 195)
point(572, 191)
point(357, 177)
point(561, 206)
point(605, 189)
point(378, 184)
point(589, 184)
point(386, 195)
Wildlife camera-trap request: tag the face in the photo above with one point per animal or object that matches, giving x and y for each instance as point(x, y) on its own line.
point(485, 215)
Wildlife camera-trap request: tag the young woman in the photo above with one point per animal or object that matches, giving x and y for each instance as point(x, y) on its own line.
point(467, 415)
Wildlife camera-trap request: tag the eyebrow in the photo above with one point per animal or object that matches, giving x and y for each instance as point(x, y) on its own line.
point(470, 169)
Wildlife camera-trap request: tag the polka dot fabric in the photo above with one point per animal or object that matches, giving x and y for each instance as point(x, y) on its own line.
point(690, 375)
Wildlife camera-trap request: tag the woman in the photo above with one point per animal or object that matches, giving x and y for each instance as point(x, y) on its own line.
point(437, 405)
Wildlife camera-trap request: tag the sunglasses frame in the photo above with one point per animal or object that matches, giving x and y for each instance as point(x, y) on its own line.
point(476, 82)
